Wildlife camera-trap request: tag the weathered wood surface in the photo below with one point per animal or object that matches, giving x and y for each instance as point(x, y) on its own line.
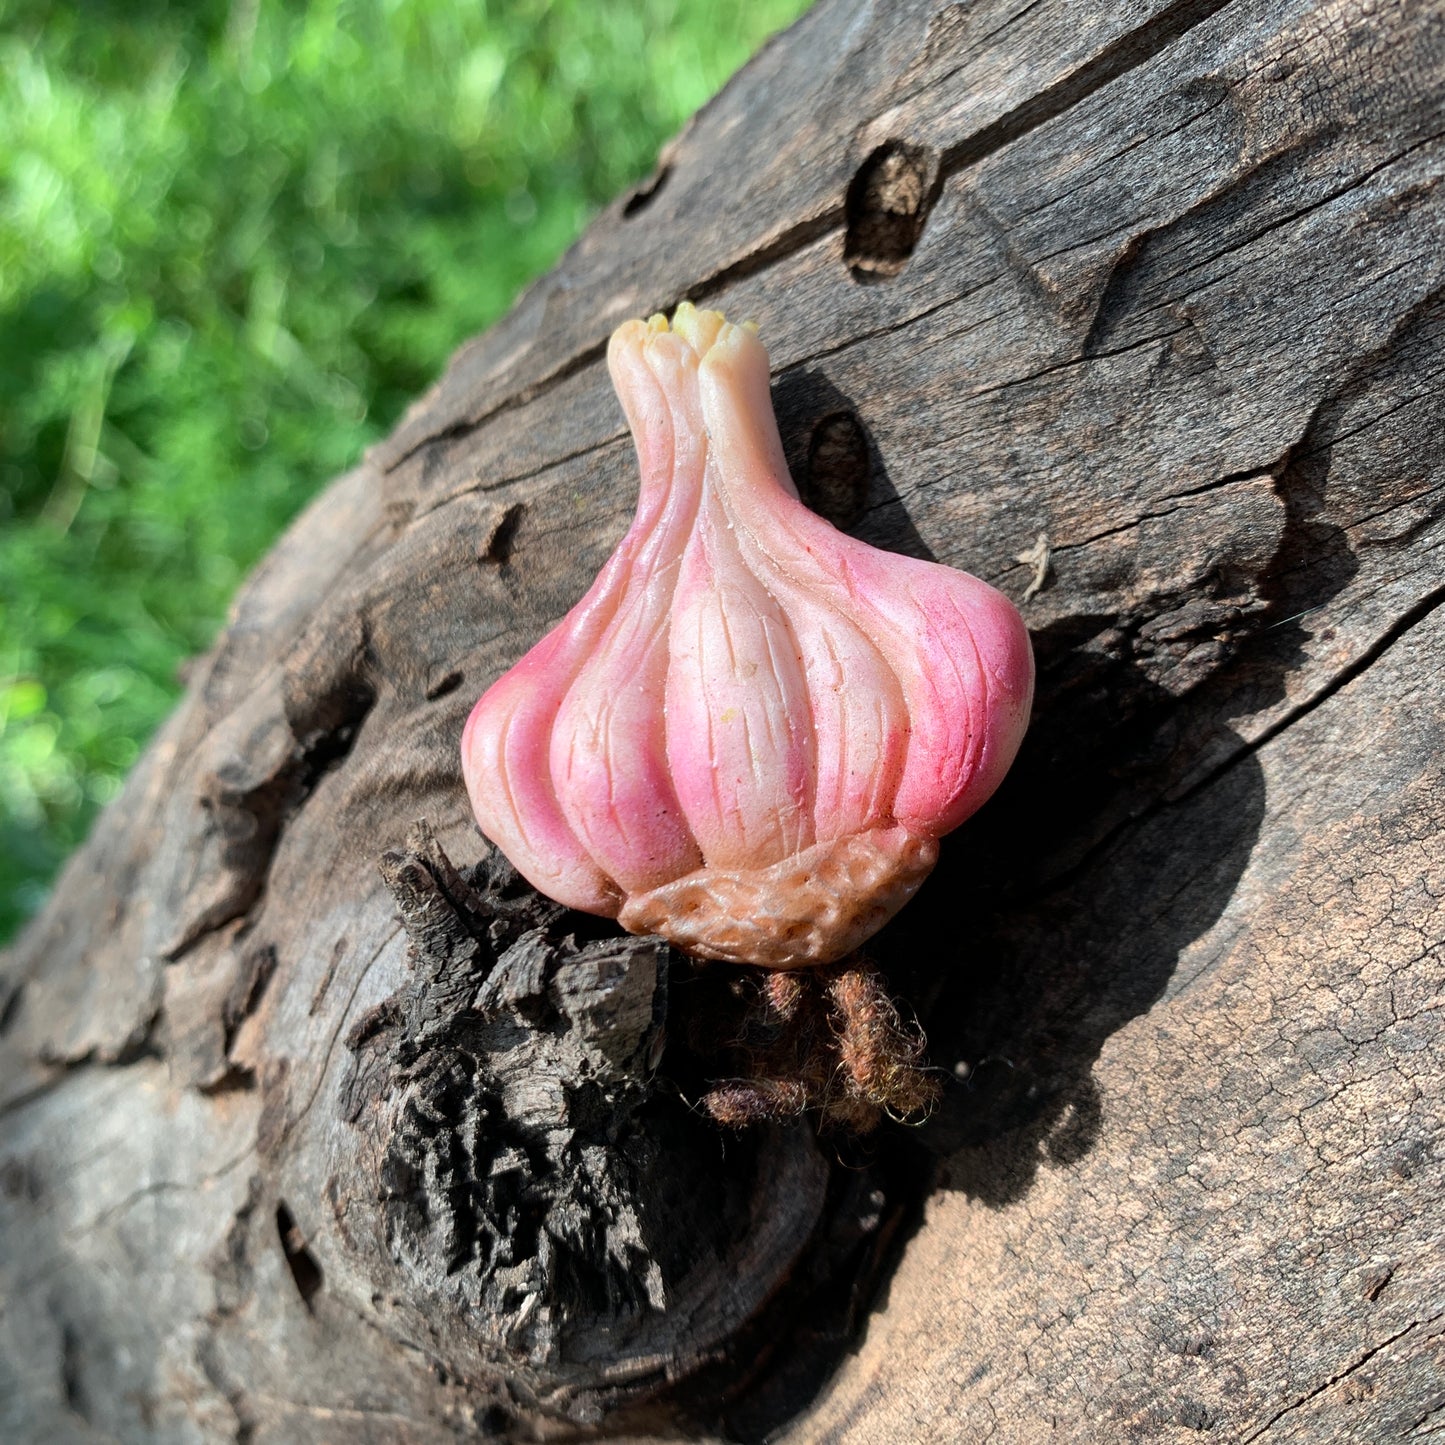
point(1162, 282)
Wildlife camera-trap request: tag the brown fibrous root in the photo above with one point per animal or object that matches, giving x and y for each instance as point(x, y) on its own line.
point(827, 1041)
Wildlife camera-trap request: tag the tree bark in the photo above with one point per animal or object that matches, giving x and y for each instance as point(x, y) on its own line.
point(319, 1126)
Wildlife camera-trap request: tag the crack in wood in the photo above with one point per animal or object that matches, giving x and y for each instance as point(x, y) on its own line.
point(1131, 50)
point(1407, 622)
point(1353, 1367)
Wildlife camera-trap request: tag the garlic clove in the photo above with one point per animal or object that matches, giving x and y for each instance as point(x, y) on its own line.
point(513, 751)
point(608, 757)
point(956, 646)
point(740, 741)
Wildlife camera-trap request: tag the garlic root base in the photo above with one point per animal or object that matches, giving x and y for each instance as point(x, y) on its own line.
point(814, 907)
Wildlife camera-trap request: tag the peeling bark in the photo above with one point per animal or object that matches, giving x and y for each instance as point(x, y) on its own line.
point(317, 1125)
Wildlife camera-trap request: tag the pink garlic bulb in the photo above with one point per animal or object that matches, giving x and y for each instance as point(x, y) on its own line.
point(751, 732)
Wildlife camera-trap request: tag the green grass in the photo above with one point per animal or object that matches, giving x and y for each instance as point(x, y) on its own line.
point(235, 240)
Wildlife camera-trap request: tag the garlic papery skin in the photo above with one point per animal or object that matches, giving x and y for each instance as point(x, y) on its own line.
point(750, 734)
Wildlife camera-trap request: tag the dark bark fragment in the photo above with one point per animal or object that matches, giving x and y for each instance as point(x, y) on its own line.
point(536, 1184)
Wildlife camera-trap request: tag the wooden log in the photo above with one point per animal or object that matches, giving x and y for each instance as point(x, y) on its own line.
point(316, 1125)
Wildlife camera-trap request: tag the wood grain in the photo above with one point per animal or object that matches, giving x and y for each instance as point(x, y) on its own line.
point(1163, 283)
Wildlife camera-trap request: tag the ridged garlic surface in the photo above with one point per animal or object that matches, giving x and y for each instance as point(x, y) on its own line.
point(750, 734)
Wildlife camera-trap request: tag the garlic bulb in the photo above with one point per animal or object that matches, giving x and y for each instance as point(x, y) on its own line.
point(751, 732)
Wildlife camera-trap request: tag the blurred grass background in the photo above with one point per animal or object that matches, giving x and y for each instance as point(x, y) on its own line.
point(236, 238)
